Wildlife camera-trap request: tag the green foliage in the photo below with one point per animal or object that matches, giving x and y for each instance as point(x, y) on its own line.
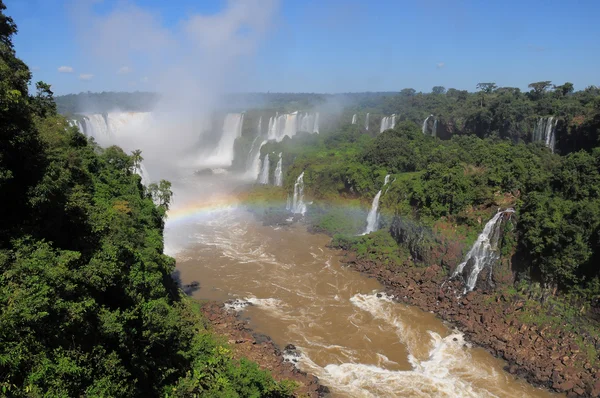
point(88, 306)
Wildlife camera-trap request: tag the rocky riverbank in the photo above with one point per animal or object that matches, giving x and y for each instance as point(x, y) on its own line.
point(543, 356)
point(260, 349)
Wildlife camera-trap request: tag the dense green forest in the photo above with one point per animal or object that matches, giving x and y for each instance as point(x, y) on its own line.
point(88, 306)
point(446, 189)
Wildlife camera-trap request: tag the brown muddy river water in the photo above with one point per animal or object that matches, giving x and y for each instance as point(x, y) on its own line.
point(294, 289)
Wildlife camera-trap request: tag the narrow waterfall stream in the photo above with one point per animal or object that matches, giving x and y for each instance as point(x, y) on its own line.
point(293, 288)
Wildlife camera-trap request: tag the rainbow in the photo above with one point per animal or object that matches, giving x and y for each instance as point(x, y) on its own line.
point(196, 210)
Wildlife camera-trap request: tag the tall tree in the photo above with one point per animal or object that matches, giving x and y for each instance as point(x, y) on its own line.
point(408, 92)
point(539, 88)
point(438, 90)
point(564, 89)
point(486, 87)
point(21, 154)
point(137, 158)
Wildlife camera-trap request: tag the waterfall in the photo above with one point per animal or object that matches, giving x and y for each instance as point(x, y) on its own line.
point(289, 124)
point(259, 127)
point(270, 129)
point(263, 177)
point(373, 216)
point(545, 130)
point(279, 172)
point(484, 252)
point(298, 205)
point(434, 130)
point(288, 205)
point(354, 119)
point(253, 159)
point(367, 122)
point(232, 129)
point(388, 122)
point(425, 125)
point(142, 172)
point(76, 123)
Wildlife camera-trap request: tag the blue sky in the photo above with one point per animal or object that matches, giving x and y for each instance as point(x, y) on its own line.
point(324, 45)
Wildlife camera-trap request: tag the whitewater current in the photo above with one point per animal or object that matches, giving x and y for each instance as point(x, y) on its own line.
point(354, 337)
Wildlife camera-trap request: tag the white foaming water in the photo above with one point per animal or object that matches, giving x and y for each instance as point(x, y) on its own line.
point(354, 119)
point(223, 154)
point(263, 177)
point(445, 370)
point(367, 122)
point(279, 172)
point(484, 252)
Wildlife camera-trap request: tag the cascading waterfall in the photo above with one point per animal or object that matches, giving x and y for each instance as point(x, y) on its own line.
point(367, 122)
point(107, 128)
point(289, 124)
point(288, 205)
point(279, 172)
point(253, 159)
point(425, 125)
point(232, 129)
point(545, 130)
point(484, 252)
point(388, 122)
point(354, 119)
point(263, 178)
point(298, 205)
point(373, 216)
point(142, 172)
point(76, 123)
point(434, 130)
point(259, 127)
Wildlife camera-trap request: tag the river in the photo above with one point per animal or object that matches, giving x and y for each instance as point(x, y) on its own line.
point(357, 340)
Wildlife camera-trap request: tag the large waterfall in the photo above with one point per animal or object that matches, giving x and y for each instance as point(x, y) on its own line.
point(354, 119)
point(279, 172)
point(544, 131)
point(232, 128)
point(263, 177)
point(484, 252)
point(288, 124)
point(298, 206)
point(373, 216)
point(388, 122)
point(111, 129)
point(367, 122)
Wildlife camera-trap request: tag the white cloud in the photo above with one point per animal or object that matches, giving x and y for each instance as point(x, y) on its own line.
point(65, 69)
point(124, 70)
point(86, 76)
point(440, 65)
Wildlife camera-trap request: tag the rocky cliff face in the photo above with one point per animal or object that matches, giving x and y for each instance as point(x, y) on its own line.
point(425, 246)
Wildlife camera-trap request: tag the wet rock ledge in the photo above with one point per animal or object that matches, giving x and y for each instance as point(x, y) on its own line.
point(260, 349)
